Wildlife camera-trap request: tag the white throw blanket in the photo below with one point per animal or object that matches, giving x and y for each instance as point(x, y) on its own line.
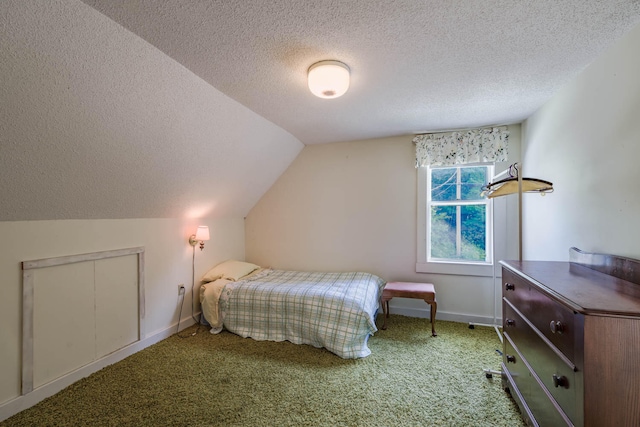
point(209, 296)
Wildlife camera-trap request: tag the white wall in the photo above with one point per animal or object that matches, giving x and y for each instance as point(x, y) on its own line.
point(586, 140)
point(352, 206)
point(168, 259)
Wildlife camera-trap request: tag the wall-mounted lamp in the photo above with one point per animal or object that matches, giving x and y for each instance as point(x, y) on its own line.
point(328, 79)
point(201, 235)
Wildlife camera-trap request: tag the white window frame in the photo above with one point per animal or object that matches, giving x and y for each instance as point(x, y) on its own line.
point(457, 267)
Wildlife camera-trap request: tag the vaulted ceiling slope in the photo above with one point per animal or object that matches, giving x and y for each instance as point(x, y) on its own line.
point(96, 123)
point(416, 65)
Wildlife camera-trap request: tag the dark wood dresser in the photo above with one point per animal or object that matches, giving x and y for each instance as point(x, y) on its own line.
point(571, 351)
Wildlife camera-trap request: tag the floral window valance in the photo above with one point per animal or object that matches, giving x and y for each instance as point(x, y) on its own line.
point(470, 146)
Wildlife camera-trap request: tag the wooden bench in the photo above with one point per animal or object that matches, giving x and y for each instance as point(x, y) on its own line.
point(424, 291)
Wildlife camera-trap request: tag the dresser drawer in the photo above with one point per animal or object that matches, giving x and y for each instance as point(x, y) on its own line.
point(544, 409)
point(516, 289)
point(554, 370)
point(512, 361)
point(553, 320)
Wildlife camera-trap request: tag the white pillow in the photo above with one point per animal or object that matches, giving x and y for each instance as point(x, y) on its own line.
point(231, 270)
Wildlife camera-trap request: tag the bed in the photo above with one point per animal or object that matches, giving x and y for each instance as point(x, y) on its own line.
point(331, 310)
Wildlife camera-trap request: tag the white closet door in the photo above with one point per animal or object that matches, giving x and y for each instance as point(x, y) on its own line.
point(116, 303)
point(63, 320)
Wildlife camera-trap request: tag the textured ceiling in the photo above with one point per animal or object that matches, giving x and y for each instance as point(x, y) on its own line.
point(416, 65)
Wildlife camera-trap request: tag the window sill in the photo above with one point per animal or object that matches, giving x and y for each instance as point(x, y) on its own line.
point(457, 269)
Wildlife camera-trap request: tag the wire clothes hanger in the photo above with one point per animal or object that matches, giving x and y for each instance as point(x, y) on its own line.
point(502, 186)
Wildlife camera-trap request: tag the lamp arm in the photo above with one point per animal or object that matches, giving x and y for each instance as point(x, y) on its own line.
point(193, 241)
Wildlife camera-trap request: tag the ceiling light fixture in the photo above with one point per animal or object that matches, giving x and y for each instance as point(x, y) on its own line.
point(328, 79)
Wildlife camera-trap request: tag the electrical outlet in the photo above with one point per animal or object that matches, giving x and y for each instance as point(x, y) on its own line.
point(180, 289)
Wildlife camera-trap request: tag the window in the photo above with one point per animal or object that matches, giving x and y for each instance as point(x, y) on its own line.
point(456, 233)
point(458, 225)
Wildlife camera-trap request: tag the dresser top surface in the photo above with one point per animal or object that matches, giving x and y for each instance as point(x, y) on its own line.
point(584, 290)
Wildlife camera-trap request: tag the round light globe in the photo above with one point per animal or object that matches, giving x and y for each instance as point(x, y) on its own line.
point(328, 79)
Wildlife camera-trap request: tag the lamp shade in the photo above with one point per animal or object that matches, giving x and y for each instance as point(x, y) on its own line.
point(202, 233)
point(328, 79)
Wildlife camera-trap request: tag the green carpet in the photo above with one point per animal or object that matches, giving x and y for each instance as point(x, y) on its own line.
point(410, 379)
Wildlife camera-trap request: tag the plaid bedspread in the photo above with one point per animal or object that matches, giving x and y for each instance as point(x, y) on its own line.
point(331, 310)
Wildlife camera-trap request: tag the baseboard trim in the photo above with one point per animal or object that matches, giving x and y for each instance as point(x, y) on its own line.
point(20, 403)
point(445, 315)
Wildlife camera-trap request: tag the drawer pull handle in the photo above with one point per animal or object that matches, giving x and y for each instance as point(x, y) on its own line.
point(509, 287)
point(556, 326)
point(511, 359)
point(560, 381)
point(510, 322)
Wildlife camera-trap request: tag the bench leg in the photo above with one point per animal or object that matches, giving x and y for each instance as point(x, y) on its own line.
point(385, 313)
point(434, 308)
